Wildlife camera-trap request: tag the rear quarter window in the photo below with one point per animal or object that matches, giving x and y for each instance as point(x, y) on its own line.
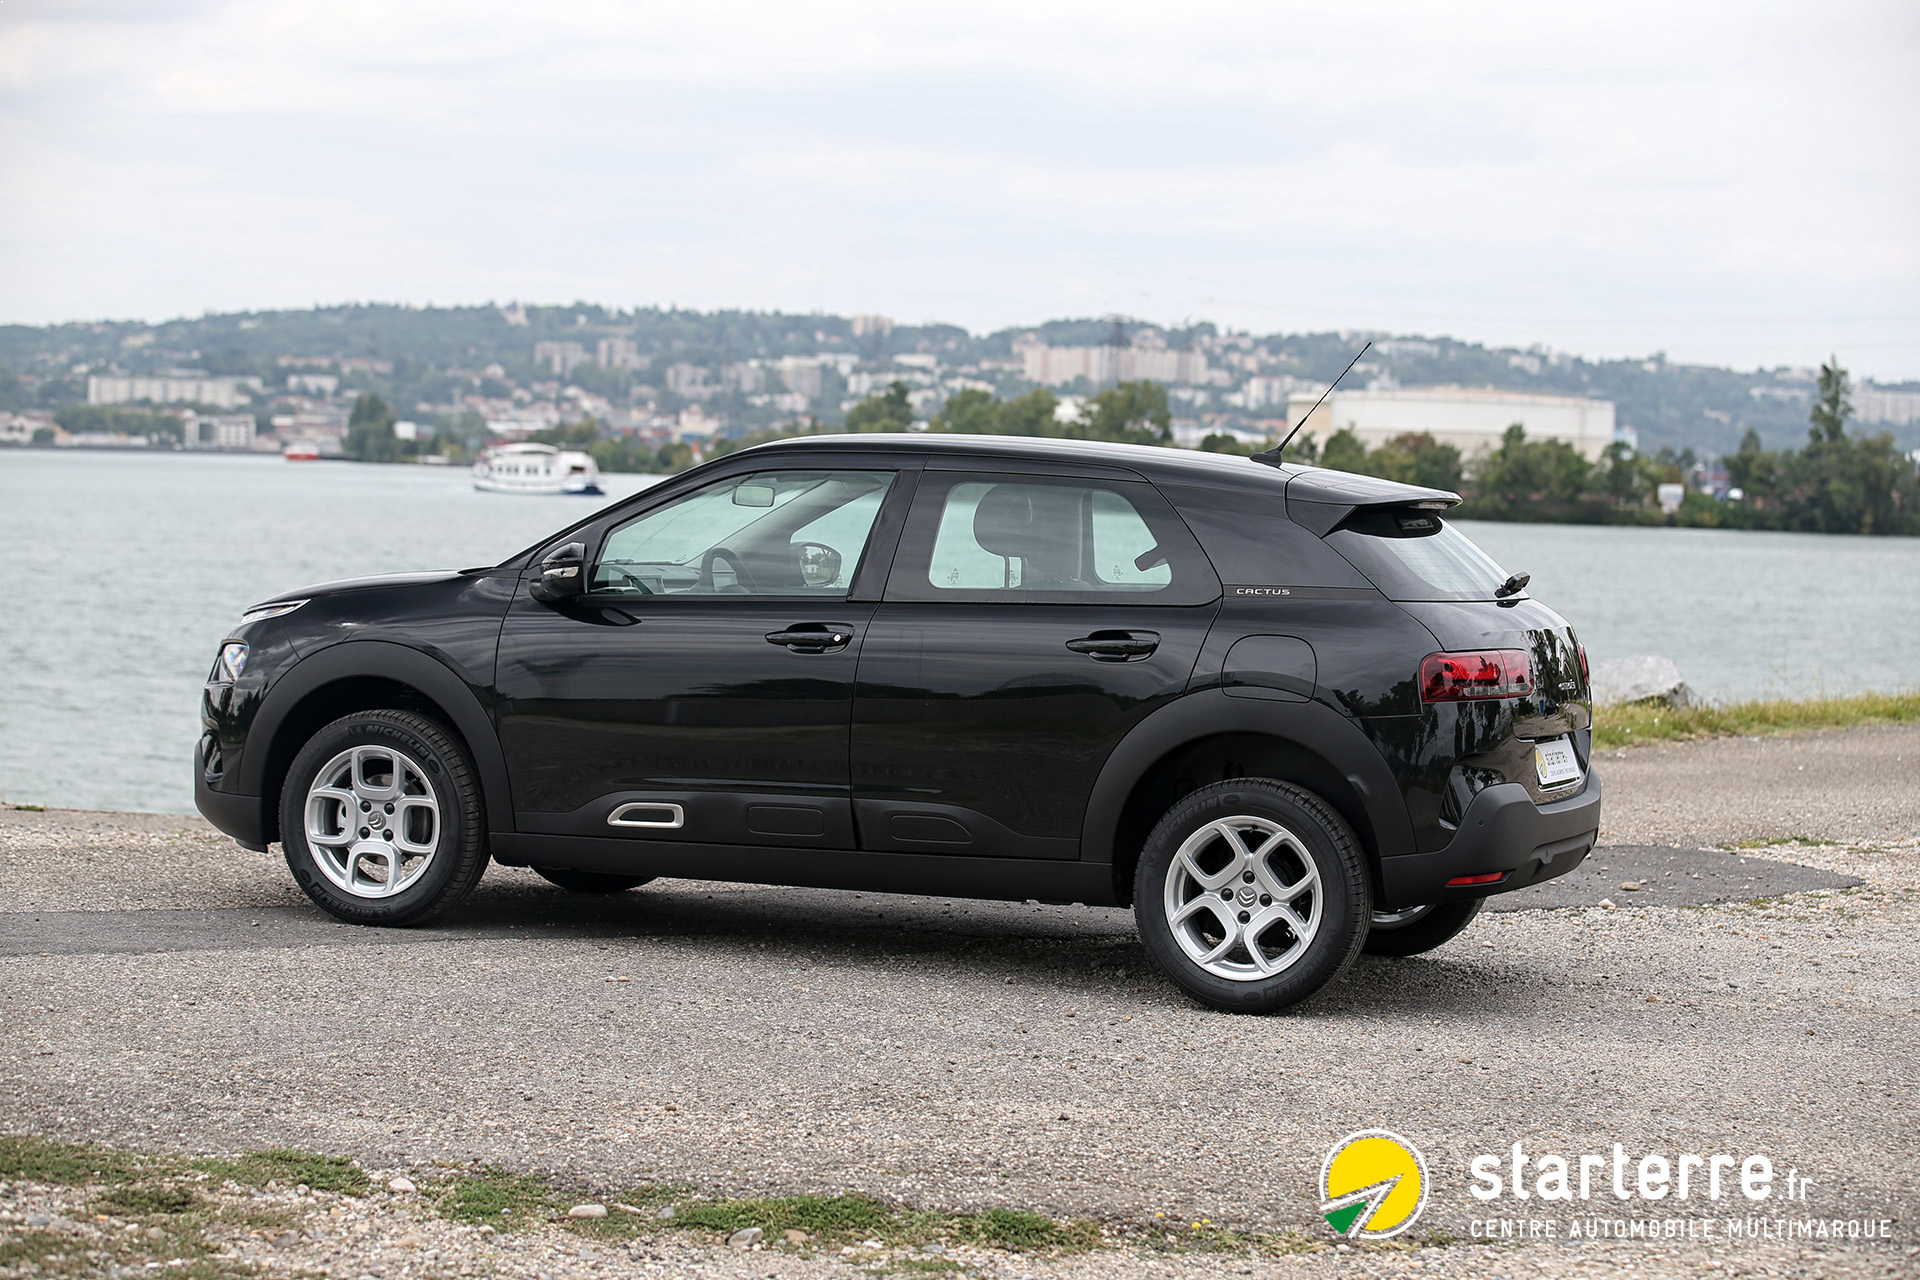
point(1416, 555)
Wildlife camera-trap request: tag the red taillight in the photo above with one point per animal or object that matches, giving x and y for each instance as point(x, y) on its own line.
point(1461, 882)
point(1484, 673)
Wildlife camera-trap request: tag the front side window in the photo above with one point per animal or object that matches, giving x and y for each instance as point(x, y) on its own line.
point(784, 533)
point(1038, 538)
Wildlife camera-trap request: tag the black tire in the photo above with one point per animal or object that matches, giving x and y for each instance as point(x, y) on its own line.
point(434, 758)
point(1305, 966)
point(589, 881)
point(1433, 926)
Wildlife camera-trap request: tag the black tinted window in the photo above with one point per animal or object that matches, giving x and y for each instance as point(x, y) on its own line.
point(1416, 555)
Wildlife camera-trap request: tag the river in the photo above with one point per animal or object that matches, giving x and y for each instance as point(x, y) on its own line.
point(122, 571)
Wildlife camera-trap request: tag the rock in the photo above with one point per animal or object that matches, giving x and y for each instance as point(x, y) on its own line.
point(401, 1186)
point(793, 1235)
point(1633, 886)
point(587, 1211)
point(1607, 903)
point(745, 1239)
point(624, 1208)
point(39, 1220)
point(1648, 679)
point(667, 1212)
point(486, 1231)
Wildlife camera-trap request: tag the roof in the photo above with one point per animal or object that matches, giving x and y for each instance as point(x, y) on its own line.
point(1154, 462)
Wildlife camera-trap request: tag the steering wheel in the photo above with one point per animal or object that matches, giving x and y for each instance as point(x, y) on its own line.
point(743, 580)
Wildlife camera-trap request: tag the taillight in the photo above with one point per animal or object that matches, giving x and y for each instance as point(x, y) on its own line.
point(1585, 675)
point(1483, 673)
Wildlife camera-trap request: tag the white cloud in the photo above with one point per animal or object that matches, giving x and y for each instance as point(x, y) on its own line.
point(1728, 182)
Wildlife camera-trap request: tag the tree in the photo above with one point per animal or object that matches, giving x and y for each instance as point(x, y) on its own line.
point(1126, 413)
point(1417, 458)
point(1221, 442)
point(1344, 452)
point(971, 412)
point(889, 411)
point(370, 435)
point(1832, 409)
point(1033, 414)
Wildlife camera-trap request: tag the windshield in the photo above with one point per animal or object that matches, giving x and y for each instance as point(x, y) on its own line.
point(1415, 555)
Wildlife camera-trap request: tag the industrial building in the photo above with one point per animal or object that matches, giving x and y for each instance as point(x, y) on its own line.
point(1468, 418)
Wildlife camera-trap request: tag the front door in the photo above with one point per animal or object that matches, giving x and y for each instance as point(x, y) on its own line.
point(701, 690)
point(1030, 622)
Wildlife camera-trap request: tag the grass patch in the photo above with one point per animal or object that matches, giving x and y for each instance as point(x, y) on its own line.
point(502, 1200)
point(1639, 722)
point(65, 1164)
point(149, 1201)
point(290, 1168)
point(1774, 842)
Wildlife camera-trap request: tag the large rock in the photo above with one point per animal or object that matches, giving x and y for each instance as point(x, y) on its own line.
point(1649, 679)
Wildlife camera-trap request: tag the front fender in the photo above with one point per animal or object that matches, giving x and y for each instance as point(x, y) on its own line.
point(465, 705)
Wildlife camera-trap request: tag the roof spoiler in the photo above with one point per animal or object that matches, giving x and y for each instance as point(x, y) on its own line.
point(1319, 499)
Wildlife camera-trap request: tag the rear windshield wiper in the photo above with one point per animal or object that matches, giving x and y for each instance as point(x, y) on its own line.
point(1514, 584)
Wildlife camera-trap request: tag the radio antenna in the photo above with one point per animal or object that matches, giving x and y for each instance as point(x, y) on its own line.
point(1272, 456)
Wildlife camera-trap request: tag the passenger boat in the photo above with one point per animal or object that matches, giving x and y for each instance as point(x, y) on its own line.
point(536, 468)
point(301, 451)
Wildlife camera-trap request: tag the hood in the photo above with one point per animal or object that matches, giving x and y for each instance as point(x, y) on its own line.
point(361, 584)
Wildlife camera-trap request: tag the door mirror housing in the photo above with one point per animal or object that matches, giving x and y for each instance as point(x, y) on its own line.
point(819, 563)
point(563, 574)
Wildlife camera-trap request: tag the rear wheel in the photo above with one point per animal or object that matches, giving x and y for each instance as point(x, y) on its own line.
point(1410, 931)
point(381, 820)
point(1251, 894)
point(589, 881)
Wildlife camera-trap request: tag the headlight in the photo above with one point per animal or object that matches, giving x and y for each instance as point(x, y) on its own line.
point(231, 662)
point(261, 611)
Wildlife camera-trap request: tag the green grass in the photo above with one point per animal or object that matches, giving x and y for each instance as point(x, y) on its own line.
point(1642, 722)
point(499, 1199)
point(149, 1201)
point(289, 1168)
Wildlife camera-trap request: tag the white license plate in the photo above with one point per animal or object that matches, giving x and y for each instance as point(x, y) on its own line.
point(1555, 762)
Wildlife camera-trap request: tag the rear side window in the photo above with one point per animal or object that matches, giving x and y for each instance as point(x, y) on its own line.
point(1415, 555)
point(1040, 538)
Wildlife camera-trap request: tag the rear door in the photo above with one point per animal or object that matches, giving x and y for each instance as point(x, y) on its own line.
point(1031, 619)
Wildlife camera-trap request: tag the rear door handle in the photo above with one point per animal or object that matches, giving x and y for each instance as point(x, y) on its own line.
point(813, 637)
point(1116, 646)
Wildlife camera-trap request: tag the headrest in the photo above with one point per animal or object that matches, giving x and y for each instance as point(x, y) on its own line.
point(1036, 523)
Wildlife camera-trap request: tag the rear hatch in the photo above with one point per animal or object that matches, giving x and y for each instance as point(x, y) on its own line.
point(1538, 737)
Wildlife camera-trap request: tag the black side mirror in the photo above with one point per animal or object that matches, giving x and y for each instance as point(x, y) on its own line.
point(563, 574)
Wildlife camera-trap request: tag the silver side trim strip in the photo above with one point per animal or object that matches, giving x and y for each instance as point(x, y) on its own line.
point(648, 813)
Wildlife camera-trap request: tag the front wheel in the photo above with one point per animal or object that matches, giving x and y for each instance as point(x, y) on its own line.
point(381, 820)
point(1410, 931)
point(1252, 895)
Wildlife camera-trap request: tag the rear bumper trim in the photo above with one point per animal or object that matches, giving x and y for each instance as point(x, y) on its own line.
point(1503, 830)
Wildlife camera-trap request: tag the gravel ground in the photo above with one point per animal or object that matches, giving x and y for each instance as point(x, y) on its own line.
point(962, 1055)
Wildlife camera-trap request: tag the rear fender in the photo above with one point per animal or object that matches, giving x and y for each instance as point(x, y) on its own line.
point(1327, 751)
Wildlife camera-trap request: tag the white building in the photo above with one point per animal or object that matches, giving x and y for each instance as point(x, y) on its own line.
point(561, 357)
point(618, 353)
point(1468, 418)
point(1058, 366)
point(223, 393)
point(216, 431)
point(1900, 408)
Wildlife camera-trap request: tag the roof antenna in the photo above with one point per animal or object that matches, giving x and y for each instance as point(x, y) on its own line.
point(1272, 456)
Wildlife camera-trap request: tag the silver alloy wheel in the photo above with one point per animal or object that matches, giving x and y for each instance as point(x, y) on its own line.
point(1243, 898)
point(372, 821)
point(1395, 919)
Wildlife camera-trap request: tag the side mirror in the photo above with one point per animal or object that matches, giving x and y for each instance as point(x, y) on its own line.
point(819, 563)
point(563, 574)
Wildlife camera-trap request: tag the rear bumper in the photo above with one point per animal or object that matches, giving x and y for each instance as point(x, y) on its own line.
point(1502, 832)
point(239, 816)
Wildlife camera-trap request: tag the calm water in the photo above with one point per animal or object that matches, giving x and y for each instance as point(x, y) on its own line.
point(119, 573)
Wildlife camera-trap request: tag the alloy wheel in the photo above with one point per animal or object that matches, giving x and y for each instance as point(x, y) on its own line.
point(372, 821)
point(1243, 898)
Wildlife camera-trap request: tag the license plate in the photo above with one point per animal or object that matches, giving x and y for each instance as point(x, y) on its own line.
point(1555, 762)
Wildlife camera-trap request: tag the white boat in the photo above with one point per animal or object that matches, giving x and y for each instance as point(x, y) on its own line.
point(536, 468)
point(301, 451)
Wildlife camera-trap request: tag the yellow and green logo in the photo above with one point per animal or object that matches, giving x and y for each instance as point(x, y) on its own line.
point(1373, 1185)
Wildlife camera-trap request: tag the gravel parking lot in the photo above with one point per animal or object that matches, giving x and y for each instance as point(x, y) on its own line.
point(165, 990)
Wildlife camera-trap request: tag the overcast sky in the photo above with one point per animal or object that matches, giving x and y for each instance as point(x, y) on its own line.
point(1729, 182)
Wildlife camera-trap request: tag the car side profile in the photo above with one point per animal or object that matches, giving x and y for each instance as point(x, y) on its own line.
point(1284, 713)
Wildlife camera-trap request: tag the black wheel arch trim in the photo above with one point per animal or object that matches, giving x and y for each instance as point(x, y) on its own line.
point(1311, 727)
point(456, 698)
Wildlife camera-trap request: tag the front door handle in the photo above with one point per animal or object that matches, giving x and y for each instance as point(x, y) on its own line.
point(813, 637)
point(1116, 646)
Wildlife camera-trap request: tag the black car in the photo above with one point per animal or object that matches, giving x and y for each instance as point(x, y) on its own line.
point(1286, 713)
